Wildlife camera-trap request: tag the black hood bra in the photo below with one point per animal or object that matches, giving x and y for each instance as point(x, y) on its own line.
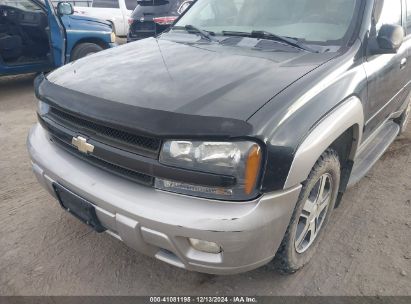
point(136, 119)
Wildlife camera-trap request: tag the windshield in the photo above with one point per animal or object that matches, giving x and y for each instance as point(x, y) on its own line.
point(317, 21)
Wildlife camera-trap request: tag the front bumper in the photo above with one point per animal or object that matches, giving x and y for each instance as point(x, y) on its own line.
point(159, 223)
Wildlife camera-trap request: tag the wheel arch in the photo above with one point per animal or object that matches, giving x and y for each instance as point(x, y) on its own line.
point(341, 130)
point(97, 41)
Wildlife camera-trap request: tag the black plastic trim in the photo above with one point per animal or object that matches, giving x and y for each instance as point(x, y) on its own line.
point(139, 120)
point(138, 163)
point(111, 136)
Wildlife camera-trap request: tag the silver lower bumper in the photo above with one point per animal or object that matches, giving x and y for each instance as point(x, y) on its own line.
point(159, 224)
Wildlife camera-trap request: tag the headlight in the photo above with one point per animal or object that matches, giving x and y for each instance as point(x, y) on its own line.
point(113, 37)
point(241, 160)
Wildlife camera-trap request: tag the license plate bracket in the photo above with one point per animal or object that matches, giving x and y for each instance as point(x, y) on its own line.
point(78, 207)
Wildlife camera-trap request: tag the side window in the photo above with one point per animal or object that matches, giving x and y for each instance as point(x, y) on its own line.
point(131, 4)
point(391, 13)
point(106, 3)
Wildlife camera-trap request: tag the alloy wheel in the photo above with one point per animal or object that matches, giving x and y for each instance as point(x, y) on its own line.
point(313, 213)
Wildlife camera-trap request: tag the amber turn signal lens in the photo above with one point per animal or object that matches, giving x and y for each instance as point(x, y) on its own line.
point(252, 169)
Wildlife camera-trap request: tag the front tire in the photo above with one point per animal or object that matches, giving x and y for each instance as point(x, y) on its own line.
point(311, 214)
point(85, 49)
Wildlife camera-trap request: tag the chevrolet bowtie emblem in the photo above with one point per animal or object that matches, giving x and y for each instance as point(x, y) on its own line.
point(81, 144)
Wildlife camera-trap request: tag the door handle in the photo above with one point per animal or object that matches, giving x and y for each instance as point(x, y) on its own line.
point(403, 63)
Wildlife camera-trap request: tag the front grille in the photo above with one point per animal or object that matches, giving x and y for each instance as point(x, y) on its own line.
point(111, 144)
point(117, 170)
point(135, 143)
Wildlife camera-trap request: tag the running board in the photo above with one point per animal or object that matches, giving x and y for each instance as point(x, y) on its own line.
point(373, 150)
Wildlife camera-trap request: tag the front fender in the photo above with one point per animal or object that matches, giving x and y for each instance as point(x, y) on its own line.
point(347, 115)
point(79, 30)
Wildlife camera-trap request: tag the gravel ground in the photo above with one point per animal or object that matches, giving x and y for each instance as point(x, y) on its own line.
point(45, 251)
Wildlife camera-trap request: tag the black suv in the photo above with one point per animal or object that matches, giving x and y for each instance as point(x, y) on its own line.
point(152, 17)
point(228, 141)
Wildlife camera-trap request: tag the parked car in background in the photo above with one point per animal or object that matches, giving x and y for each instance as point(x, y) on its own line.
point(34, 37)
point(117, 12)
point(152, 17)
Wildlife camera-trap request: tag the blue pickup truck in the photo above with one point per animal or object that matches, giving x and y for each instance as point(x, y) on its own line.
point(36, 37)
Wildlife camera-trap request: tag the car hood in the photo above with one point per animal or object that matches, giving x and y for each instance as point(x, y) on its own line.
point(85, 23)
point(206, 79)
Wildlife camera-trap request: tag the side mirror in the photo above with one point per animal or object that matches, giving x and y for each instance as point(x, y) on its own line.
point(65, 8)
point(390, 38)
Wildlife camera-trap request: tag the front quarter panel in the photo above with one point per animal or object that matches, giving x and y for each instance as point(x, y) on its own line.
point(349, 114)
point(291, 116)
point(78, 31)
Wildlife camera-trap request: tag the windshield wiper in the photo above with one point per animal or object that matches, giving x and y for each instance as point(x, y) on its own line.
point(192, 29)
point(267, 35)
point(290, 41)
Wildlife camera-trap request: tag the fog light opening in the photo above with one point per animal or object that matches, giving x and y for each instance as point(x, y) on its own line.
point(205, 246)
